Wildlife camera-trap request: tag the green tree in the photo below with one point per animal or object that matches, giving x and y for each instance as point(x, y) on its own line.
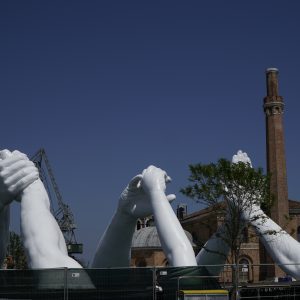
point(232, 189)
point(16, 258)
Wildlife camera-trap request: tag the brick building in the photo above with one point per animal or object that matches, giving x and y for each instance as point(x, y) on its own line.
point(203, 224)
point(146, 249)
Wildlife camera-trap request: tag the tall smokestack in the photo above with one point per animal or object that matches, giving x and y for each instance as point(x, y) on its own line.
point(276, 164)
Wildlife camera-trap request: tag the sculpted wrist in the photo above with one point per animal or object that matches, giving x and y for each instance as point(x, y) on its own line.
point(125, 214)
point(252, 215)
point(32, 187)
point(157, 195)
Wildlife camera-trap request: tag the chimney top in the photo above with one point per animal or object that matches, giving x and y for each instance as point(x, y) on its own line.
point(272, 82)
point(272, 70)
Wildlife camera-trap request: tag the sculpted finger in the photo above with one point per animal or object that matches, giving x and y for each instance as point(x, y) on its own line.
point(171, 197)
point(17, 166)
point(17, 152)
point(135, 181)
point(168, 178)
point(149, 168)
point(13, 158)
point(19, 155)
point(21, 174)
point(23, 183)
point(152, 168)
point(4, 154)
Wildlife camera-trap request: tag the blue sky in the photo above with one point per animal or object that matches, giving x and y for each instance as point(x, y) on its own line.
point(109, 87)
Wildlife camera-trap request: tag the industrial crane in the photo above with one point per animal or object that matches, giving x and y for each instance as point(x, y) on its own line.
point(63, 213)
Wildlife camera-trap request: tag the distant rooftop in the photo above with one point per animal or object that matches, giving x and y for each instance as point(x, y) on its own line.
point(148, 238)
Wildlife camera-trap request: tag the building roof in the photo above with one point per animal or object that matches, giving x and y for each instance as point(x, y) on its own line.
point(148, 238)
point(294, 207)
point(201, 214)
point(294, 203)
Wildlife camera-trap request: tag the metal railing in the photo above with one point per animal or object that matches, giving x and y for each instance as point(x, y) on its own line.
point(136, 283)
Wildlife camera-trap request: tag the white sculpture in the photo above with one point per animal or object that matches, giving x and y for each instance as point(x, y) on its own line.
point(174, 242)
point(215, 251)
point(44, 242)
point(241, 157)
point(283, 248)
point(144, 195)
point(16, 173)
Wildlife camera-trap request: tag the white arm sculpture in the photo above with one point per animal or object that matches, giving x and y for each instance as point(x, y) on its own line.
point(43, 241)
point(42, 237)
point(175, 243)
point(215, 251)
point(136, 201)
point(283, 248)
point(114, 247)
point(16, 173)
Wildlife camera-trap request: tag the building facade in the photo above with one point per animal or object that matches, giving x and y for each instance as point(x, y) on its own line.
point(146, 250)
point(285, 212)
point(200, 225)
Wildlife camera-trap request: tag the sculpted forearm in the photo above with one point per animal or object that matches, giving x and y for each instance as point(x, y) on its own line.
point(214, 253)
point(282, 247)
point(43, 240)
point(114, 247)
point(16, 173)
point(174, 242)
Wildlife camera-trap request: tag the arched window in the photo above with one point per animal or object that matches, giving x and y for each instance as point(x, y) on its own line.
point(147, 223)
point(138, 225)
point(245, 235)
point(244, 270)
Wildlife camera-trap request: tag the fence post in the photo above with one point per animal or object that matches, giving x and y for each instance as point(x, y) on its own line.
point(66, 296)
point(154, 283)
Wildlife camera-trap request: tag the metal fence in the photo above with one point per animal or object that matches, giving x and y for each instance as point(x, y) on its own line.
point(125, 283)
point(136, 283)
point(267, 292)
point(258, 282)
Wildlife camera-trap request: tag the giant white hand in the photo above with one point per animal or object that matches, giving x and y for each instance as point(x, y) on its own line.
point(250, 208)
point(135, 201)
point(154, 179)
point(283, 248)
point(241, 157)
point(175, 243)
point(16, 173)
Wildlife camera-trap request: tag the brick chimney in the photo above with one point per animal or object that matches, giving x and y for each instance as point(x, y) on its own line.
point(276, 164)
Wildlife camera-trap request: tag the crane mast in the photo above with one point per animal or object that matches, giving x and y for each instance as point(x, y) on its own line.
point(63, 213)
